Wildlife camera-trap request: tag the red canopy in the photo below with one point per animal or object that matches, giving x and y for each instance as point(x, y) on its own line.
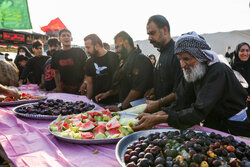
point(54, 25)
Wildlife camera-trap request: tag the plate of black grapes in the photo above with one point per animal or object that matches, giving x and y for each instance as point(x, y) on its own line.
point(50, 109)
point(174, 148)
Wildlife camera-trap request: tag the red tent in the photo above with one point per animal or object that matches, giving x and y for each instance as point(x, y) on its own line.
point(54, 25)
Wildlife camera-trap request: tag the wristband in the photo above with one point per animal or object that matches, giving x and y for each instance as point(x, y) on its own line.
point(120, 106)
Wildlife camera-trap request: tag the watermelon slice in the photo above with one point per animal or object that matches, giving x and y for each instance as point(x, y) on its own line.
point(106, 112)
point(87, 126)
point(112, 132)
point(112, 124)
point(94, 113)
point(65, 126)
point(68, 117)
point(100, 129)
point(87, 135)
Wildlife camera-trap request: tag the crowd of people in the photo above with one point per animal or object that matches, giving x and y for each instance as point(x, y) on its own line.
point(186, 85)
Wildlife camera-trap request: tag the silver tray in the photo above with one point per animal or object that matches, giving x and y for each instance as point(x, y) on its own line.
point(15, 103)
point(92, 141)
point(37, 116)
point(122, 145)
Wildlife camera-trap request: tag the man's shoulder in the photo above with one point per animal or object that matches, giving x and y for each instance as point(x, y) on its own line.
point(219, 66)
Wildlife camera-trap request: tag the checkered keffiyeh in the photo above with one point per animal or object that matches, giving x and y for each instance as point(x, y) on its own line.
point(197, 47)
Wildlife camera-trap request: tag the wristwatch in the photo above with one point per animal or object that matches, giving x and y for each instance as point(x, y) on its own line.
point(120, 106)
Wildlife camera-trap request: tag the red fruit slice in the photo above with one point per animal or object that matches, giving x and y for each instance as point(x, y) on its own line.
point(112, 132)
point(112, 124)
point(107, 112)
point(66, 125)
point(100, 129)
point(87, 126)
point(87, 135)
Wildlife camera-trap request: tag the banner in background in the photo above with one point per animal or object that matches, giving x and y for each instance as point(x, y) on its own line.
point(14, 14)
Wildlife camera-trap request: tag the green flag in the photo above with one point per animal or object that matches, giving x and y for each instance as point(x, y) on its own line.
point(14, 14)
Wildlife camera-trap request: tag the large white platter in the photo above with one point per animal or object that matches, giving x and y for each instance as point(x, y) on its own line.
point(92, 141)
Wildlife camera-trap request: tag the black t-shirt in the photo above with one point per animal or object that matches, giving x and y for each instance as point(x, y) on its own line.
point(102, 69)
point(70, 63)
point(34, 65)
point(167, 73)
point(136, 74)
point(49, 76)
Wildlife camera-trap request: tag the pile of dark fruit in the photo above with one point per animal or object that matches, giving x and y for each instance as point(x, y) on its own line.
point(55, 107)
point(188, 149)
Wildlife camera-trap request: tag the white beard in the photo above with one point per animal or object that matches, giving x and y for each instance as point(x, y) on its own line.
point(195, 73)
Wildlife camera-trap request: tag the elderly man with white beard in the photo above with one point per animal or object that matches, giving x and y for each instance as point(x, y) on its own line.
point(209, 92)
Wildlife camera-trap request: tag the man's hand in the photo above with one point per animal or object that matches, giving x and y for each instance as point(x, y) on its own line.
point(20, 82)
point(58, 90)
point(149, 94)
point(12, 93)
point(113, 108)
point(147, 121)
point(83, 89)
point(101, 96)
point(152, 106)
point(248, 98)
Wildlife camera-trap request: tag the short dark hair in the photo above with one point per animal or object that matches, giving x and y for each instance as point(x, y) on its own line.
point(106, 46)
point(125, 36)
point(94, 39)
point(151, 55)
point(160, 21)
point(36, 44)
point(53, 41)
point(64, 30)
point(21, 58)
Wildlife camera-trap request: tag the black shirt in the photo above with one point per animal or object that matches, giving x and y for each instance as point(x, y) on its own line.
point(214, 98)
point(102, 69)
point(49, 76)
point(136, 74)
point(167, 73)
point(70, 63)
point(34, 65)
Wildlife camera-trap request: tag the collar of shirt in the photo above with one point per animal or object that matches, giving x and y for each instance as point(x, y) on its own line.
point(165, 47)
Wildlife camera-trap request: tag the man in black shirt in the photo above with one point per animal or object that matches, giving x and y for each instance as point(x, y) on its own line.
point(100, 69)
point(69, 65)
point(135, 75)
point(210, 93)
point(48, 81)
point(167, 72)
point(35, 64)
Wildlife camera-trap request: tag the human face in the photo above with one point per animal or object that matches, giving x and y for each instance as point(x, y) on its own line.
point(192, 69)
point(22, 52)
point(22, 63)
point(152, 59)
point(155, 35)
point(38, 51)
point(90, 48)
point(65, 38)
point(120, 48)
point(244, 53)
point(186, 61)
point(53, 48)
